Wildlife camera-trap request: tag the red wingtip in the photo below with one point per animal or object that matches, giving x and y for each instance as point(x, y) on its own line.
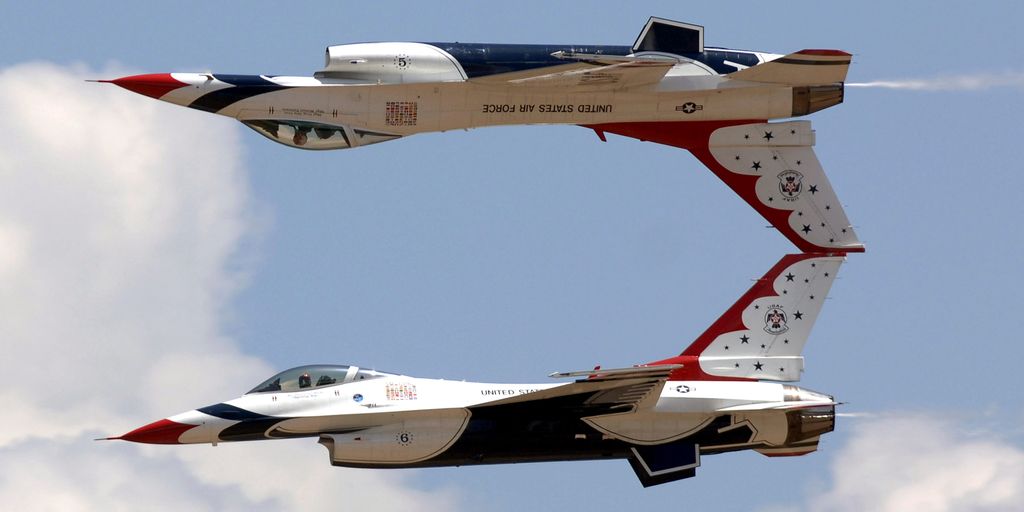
point(154, 85)
point(827, 53)
point(159, 432)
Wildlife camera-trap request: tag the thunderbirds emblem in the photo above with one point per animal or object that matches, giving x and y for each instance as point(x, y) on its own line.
point(775, 321)
point(790, 184)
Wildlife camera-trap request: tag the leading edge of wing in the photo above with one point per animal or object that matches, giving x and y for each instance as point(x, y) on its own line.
point(586, 75)
point(617, 388)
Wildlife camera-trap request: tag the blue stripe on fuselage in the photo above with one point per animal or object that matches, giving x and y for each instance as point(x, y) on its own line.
point(482, 59)
point(245, 86)
point(230, 412)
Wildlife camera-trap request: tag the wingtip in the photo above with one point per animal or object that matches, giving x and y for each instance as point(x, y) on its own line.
point(823, 52)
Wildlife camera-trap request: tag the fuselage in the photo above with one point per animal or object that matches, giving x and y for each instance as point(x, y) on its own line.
point(374, 419)
point(715, 103)
point(374, 92)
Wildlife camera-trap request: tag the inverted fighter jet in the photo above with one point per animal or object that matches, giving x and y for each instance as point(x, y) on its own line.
point(725, 392)
point(666, 88)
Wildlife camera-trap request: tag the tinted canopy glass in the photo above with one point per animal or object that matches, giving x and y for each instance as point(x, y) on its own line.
point(314, 376)
point(301, 134)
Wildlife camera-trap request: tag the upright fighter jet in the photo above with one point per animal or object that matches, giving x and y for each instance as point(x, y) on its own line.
point(666, 88)
point(723, 393)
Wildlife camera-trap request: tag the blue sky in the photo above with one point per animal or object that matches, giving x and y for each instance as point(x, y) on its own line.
point(507, 253)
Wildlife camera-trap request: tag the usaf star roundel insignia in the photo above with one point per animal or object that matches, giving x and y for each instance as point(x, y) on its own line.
point(790, 184)
point(689, 107)
point(775, 321)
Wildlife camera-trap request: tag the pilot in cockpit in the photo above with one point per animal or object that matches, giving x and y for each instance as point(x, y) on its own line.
point(305, 381)
point(300, 136)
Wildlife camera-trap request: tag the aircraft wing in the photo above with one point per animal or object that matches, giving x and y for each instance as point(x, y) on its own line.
point(590, 75)
point(600, 392)
point(772, 166)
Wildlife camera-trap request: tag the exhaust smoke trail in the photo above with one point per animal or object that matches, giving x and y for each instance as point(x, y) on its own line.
point(977, 82)
point(856, 415)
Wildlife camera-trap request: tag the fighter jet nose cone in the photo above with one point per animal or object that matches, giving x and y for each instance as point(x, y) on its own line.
point(154, 85)
point(159, 432)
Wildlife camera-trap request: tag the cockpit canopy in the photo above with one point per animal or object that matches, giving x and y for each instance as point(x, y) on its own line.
point(310, 135)
point(301, 134)
point(315, 376)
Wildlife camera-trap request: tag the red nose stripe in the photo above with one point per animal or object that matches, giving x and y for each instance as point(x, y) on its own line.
point(154, 86)
point(159, 432)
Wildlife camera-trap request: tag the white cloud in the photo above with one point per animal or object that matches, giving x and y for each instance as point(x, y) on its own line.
point(119, 245)
point(919, 463)
point(120, 218)
point(43, 475)
point(296, 473)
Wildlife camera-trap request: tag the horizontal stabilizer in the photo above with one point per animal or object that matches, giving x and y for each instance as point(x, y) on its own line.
point(792, 450)
point(805, 67)
point(773, 406)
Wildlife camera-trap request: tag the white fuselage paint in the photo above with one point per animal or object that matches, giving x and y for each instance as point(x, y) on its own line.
point(442, 106)
point(399, 402)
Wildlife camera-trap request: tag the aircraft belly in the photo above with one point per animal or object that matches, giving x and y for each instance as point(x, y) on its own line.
point(303, 103)
point(512, 106)
point(455, 111)
point(404, 109)
point(649, 427)
point(409, 109)
point(492, 440)
point(476, 107)
point(349, 104)
point(748, 103)
point(520, 440)
point(771, 427)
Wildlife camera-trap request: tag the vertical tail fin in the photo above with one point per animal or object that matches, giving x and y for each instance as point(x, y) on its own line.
point(772, 166)
point(762, 336)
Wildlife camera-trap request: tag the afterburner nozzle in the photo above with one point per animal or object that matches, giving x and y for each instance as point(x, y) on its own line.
point(809, 99)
